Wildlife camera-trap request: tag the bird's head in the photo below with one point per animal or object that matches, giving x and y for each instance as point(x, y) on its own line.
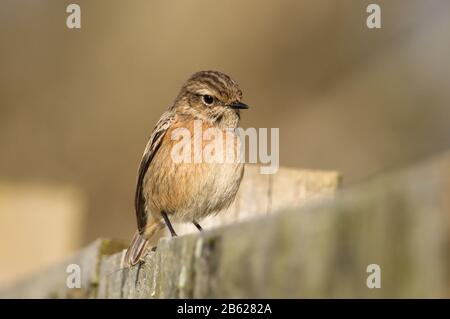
point(212, 96)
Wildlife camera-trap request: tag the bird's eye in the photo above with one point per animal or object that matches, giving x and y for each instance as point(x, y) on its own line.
point(207, 99)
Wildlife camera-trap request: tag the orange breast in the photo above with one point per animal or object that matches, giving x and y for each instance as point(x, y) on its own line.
point(195, 172)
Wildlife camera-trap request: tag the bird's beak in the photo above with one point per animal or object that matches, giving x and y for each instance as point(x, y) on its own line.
point(238, 105)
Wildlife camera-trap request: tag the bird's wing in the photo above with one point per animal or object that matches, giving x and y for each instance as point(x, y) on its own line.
point(152, 147)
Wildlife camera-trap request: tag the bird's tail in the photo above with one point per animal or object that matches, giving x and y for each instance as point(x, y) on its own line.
point(136, 250)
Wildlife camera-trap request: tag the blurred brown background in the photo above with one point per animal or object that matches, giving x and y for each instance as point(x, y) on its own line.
point(77, 106)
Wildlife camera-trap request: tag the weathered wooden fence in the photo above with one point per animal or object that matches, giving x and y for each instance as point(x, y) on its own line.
point(287, 236)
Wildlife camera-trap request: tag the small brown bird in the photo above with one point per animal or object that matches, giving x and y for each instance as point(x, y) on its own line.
point(191, 190)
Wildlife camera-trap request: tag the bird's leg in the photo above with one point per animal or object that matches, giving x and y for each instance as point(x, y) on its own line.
point(168, 224)
point(197, 225)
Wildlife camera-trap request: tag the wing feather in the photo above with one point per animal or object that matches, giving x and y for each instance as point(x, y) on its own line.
point(152, 147)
